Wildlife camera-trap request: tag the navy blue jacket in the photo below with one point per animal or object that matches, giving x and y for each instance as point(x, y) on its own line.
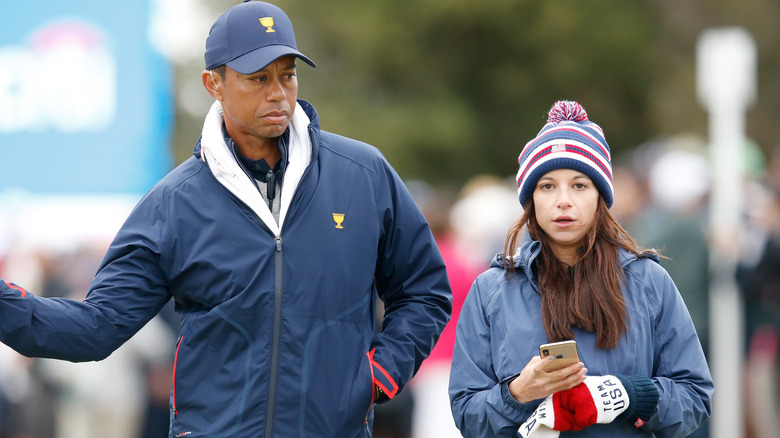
point(278, 330)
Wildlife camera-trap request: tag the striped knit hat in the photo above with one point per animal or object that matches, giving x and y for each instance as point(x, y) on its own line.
point(568, 141)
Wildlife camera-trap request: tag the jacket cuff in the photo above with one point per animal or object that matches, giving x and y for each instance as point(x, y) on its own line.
point(508, 399)
point(506, 396)
point(643, 398)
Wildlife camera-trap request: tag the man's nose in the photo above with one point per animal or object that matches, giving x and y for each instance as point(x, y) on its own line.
point(277, 93)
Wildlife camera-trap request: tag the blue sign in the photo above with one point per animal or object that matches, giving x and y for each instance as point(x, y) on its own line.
point(85, 100)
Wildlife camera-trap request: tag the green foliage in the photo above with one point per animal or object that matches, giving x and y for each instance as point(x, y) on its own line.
point(449, 89)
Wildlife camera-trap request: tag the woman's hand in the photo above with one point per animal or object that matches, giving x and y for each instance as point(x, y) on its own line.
point(535, 383)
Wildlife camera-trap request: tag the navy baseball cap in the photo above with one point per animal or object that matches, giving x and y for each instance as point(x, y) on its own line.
point(249, 36)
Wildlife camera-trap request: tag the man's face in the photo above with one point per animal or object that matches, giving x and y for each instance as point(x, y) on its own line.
point(258, 107)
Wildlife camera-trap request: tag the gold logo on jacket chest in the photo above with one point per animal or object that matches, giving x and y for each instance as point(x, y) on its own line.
point(338, 218)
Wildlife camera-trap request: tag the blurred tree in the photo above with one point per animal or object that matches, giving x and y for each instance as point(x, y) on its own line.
point(672, 104)
point(451, 89)
point(448, 90)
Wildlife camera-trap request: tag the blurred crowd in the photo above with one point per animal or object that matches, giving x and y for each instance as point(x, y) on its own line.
point(661, 198)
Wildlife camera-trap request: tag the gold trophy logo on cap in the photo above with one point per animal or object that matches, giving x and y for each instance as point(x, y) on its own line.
point(268, 22)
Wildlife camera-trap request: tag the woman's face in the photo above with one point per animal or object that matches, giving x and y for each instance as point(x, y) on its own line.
point(565, 203)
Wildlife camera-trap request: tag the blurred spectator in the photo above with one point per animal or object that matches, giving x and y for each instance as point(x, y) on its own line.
point(761, 384)
point(432, 416)
point(483, 211)
point(758, 276)
point(679, 185)
point(159, 377)
point(481, 217)
point(393, 419)
point(93, 402)
point(661, 199)
point(27, 401)
point(41, 398)
point(631, 197)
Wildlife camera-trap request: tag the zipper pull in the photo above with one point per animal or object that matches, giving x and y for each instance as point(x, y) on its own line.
point(278, 240)
point(270, 179)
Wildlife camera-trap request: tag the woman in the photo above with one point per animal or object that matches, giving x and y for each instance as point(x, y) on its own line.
point(576, 274)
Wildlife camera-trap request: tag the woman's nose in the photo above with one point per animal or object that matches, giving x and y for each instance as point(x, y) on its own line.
point(564, 200)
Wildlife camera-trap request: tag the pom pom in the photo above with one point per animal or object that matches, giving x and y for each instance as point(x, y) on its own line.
point(567, 110)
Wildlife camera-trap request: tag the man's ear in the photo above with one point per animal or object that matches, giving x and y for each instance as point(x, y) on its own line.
point(212, 83)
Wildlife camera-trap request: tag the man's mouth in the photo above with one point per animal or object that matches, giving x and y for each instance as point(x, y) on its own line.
point(276, 116)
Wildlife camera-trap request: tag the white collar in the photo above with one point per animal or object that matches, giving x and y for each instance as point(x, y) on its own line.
point(228, 172)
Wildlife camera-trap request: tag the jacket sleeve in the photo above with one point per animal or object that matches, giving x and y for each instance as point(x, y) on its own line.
point(411, 280)
point(481, 403)
point(126, 293)
point(681, 373)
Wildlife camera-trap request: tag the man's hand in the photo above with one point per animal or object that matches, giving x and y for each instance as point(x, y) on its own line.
point(378, 393)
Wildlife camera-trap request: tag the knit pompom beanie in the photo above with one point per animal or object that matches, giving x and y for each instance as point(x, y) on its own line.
point(568, 141)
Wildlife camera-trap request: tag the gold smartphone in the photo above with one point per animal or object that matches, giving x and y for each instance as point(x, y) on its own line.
point(565, 354)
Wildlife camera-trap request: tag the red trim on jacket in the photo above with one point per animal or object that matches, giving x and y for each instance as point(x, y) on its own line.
point(389, 393)
point(173, 379)
point(13, 286)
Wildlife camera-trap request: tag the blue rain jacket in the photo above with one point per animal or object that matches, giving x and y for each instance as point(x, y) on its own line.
point(500, 329)
point(278, 331)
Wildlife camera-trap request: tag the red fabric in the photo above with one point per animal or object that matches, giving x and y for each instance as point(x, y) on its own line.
point(564, 418)
point(579, 402)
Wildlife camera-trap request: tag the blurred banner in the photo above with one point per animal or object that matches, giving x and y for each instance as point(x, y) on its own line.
point(85, 99)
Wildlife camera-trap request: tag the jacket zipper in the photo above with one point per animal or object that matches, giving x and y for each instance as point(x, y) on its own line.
point(370, 405)
point(269, 417)
point(173, 379)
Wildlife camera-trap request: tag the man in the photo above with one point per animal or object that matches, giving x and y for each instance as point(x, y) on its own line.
point(272, 241)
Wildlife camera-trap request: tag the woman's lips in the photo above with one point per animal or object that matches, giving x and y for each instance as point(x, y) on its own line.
point(563, 221)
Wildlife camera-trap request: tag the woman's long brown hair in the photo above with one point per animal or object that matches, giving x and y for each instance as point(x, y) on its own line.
point(588, 294)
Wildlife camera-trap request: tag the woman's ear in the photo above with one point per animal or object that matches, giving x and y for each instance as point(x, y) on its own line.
point(212, 83)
